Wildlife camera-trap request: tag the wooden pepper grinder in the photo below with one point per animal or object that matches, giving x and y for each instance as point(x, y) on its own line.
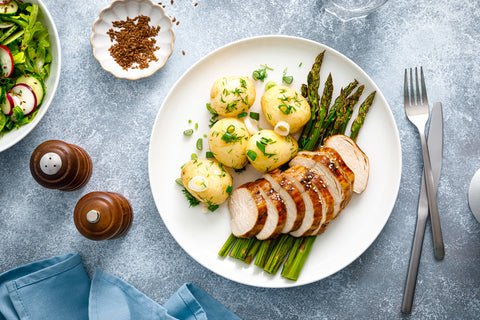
point(55, 164)
point(103, 215)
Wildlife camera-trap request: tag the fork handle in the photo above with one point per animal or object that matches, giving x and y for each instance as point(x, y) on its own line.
point(414, 264)
point(438, 246)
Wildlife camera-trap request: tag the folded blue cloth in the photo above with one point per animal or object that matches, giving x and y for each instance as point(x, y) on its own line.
point(59, 288)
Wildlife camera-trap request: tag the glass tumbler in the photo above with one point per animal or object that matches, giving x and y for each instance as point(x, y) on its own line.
point(351, 9)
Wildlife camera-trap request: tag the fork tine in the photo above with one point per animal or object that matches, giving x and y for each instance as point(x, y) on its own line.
point(424, 88)
point(406, 94)
point(412, 92)
point(417, 88)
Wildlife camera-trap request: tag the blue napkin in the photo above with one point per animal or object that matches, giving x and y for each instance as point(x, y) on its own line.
point(59, 288)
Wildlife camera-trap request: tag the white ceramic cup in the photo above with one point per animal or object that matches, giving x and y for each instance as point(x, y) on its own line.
point(351, 9)
point(474, 195)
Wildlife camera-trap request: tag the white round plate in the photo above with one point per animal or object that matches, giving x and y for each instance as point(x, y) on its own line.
point(201, 234)
point(11, 138)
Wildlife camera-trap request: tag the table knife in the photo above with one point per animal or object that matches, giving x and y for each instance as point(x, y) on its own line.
point(435, 147)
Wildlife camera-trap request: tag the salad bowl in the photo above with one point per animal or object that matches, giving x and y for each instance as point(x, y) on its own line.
point(12, 137)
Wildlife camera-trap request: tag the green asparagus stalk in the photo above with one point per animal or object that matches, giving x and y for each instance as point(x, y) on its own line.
point(313, 83)
point(362, 113)
point(292, 253)
point(278, 254)
point(322, 112)
point(252, 251)
point(294, 268)
point(241, 248)
point(351, 102)
point(264, 251)
point(228, 245)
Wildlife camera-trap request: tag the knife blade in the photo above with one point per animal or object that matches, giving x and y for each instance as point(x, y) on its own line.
point(435, 147)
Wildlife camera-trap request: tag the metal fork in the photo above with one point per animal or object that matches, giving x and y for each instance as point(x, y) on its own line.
point(417, 110)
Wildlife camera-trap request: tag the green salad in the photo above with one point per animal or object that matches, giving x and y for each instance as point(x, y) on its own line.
point(25, 63)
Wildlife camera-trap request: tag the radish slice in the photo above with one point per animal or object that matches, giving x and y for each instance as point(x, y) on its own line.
point(24, 97)
point(198, 184)
point(252, 125)
point(4, 25)
point(282, 128)
point(5, 1)
point(7, 105)
point(6, 62)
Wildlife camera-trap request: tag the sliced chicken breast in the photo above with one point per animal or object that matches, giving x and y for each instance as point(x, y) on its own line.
point(292, 199)
point(248, 210)
point(306, 181)
point(276, 211)
point(354, 157)
point(340, 188)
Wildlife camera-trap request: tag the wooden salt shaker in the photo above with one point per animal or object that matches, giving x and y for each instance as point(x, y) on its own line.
point(103, 215)
point(55, 164)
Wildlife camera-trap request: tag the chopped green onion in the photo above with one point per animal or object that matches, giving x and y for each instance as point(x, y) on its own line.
point(252, 155)
point(179, 181)
point(194, 156)
point(199, 144)
point(255, 115)
point(270, 84)
point(210, 109)
point(300, 64)
point(287, 79)
point(188, 132)
point(196, 126)
point(229, 190)
point(242, 115)
point(209, 154)
point(261, 73)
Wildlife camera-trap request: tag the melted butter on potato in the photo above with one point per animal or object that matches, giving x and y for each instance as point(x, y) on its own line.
point(231, 96)
point(281, 103)
point(216, 181)
point(267, 150)
point(227, 140)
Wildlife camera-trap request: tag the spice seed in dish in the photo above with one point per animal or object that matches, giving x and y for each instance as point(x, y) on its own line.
point(135, 43)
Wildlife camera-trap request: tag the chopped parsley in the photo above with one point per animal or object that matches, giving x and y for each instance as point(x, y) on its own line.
point(261, 73)
point(214, 117)
point(213, 207)
point(191, 199)
point(229, 190)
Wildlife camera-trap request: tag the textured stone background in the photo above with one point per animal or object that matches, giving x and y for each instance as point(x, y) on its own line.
point(112, 119)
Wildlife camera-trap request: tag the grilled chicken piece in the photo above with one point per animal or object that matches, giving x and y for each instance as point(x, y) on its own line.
point(340, 187)
point(306, 181)
point(292, 199)
point(354, 157)
point(276, 211)
point(248, 210)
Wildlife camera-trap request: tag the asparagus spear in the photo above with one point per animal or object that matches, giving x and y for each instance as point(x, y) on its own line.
point(351, 102)
point(278, 254)
point(332, 113)
point(294, 268)
point(313, 83)
point(252, 251)
point(322, 111)
point(362, 113)
point(228, 245)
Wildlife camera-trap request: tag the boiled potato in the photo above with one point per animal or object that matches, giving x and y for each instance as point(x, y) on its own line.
point(227, 141)
point(207, 181)
point(267, 150)
point(231, 96)
point(281, 103)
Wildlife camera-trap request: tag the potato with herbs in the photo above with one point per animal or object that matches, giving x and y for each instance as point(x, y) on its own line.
point(281, 103)
point(231, 96)
point(267, 150)
point(227, 140)
point(207, 181)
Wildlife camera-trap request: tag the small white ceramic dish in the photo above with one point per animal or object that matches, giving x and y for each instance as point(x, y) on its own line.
point(119, 10)
point(11, 138)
